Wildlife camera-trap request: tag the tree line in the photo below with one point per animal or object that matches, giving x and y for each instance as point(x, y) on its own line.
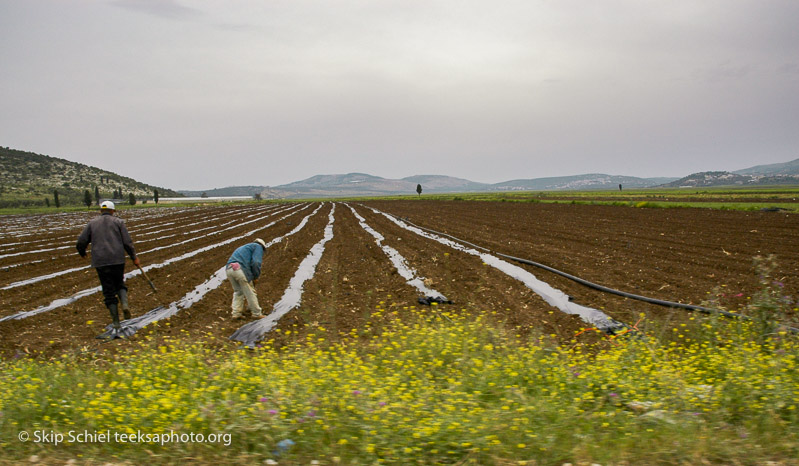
point(60, 198)
point(89, 200)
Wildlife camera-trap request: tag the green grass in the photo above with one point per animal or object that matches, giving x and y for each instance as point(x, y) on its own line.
point(421, 386)
point(729, 198)
point(747, 199)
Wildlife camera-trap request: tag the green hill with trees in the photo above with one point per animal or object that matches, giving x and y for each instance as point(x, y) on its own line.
point(34, 180)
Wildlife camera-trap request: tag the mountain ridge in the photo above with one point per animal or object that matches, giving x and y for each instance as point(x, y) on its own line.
point(362, 184)
point(28, 178)
point(784, 168)
point(771, 174)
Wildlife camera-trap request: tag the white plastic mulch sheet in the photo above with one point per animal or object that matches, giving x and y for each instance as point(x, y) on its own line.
point(551, 295)
point(65, 301)
point(254, 331)
point(404, 270)
point(30, 281)
point(131, 326)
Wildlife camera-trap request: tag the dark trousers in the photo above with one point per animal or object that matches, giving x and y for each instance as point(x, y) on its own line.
point(112, 279)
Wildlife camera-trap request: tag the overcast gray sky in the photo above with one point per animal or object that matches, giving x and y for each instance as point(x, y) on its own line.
point(203, 94)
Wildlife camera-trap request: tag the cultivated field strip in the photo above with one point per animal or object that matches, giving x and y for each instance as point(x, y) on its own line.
point(292, 295)
point(682, 255)
point(375, 269)
point(399, 262)
point(74, 326)
point(296, 295)
point(37, 244)
point(179, 226)
point(194, 296)
point(466, 279)
point(149, 225)
point(252, 332)
point(69, 244)
point(553, 296)
point(136, 223)
point(392, 253)
point(291, 298)
point(217, 231)
point(33, 280)
point(64, 301)
point(50, 225)
point(19, 226)
point(48, 297)
point(35, 251)
point(369, 260)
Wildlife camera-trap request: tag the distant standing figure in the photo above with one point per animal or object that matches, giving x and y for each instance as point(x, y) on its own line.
point(110, 240)
point(243, 268)
point(619, 186)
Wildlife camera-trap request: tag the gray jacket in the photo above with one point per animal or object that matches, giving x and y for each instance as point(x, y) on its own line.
point(110, 240)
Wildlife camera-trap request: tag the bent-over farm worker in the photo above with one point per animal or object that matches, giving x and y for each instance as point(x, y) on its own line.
point(110, 240)
point(242, 269)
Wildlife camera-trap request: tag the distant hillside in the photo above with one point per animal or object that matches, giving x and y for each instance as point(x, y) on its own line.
point(787, 168)
point(439, 183)
point(361, 184)
point(350, 184)
point(226, 192)
point(581, 182)
point(710, 179)
point(28, 179)
point(707, 179)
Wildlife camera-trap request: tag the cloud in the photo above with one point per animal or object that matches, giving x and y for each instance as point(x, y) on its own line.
point(724, 71)
point(238, 27)
point(295, 88)
point(169, 9)
point(788, 69)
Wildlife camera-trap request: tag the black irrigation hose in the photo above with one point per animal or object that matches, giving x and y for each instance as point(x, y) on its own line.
point(594, 286)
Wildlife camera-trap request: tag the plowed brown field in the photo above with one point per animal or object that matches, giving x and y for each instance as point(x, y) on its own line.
point(685, 255)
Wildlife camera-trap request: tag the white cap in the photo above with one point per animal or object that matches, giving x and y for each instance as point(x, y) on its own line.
point(261, 242)
point(107, 205)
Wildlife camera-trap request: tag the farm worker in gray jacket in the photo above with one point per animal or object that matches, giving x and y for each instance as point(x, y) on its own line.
point(110, 240)
point(242, 269)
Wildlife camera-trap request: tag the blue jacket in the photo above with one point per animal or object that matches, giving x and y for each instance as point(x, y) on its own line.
point(249, 257)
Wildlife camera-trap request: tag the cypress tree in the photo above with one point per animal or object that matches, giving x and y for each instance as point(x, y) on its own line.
point(55, 198)
point(87, 198)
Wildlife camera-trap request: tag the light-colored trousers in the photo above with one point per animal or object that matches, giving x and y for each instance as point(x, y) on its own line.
point(242, 289)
